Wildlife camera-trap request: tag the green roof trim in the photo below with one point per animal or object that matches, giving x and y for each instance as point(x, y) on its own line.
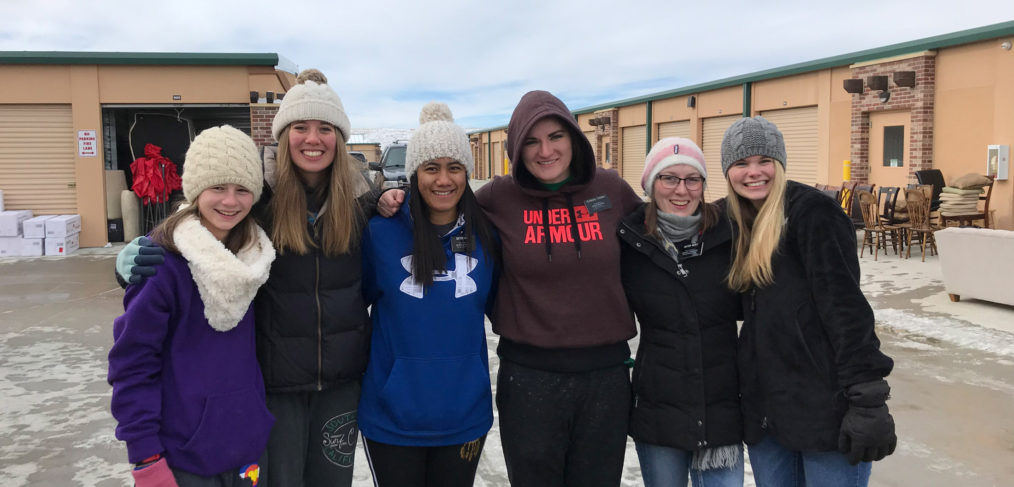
point(138, 58)
point(929, 43)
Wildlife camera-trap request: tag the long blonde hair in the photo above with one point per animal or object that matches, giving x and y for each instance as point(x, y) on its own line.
point(760, 232)
point(341, 219)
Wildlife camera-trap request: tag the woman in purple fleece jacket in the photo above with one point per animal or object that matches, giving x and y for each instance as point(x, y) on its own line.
point(187, 389)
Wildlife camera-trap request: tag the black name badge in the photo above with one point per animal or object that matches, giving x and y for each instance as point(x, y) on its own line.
point(597, 204)
point(459, 244)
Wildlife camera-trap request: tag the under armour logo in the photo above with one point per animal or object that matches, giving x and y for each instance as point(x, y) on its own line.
point(463, 285)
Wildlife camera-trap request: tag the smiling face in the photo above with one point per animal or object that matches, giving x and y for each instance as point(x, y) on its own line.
point(679, 200)
point(752, 178)
point(312, 148)
point(441, 183)
point(547, 151)
point(222, 207)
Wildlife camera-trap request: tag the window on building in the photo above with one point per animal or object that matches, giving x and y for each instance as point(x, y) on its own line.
point(609, 160)
point(894, 146)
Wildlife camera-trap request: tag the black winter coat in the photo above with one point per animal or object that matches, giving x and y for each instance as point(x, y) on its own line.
point(686, 393)
point(313, 330)
point(810, 335)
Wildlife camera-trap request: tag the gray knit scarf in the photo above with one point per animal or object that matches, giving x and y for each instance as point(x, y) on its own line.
point(678, 228)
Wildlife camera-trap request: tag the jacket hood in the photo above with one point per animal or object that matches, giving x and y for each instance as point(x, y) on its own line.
point(534, 106)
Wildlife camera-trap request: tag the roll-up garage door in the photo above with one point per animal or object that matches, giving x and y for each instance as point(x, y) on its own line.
point(591, 140)
point(674, 129)
point(633, 156)
point(799, 128)
point(714, 130)
point(37, 158)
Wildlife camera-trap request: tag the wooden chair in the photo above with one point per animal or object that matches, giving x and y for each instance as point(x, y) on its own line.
point(968, 218)
point(875, 233)
point(919, 223)
point(848, 191)
point(856, 212)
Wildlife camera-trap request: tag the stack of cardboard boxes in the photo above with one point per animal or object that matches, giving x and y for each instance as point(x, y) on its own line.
point(22, 235)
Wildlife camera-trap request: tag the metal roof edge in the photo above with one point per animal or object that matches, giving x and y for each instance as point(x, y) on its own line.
point(138, 58)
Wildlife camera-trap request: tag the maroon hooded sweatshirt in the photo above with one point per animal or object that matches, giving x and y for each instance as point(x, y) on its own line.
point(560, 305)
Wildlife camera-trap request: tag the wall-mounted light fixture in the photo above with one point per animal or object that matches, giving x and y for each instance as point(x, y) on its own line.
point(691, 101)
point(270, 96)
point(279, 96)
point(885, 96)
point(904, 78)
point(854, 85)
point(877, 83)
point(254, 96)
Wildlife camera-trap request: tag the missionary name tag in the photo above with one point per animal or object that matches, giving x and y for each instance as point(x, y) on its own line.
point(459, 244)
point(597, 204)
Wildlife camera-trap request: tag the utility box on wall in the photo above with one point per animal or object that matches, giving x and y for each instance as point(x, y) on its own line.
point(998, 161)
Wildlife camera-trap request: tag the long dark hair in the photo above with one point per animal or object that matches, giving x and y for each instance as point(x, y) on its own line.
point(427, 249)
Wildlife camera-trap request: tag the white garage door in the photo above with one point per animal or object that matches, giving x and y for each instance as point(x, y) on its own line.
point(799, 128)
point(37, 158)
point(714, 130)
point(633, 156)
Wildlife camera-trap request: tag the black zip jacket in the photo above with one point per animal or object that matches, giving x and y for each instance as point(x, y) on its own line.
point(810, 335)
point(313, 329)
point(686, 392)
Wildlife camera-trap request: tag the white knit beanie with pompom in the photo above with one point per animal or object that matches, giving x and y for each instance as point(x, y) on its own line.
point(437, 136)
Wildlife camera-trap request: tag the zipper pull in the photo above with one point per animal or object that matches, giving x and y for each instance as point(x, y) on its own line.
point(680, 271)
point(753, 299)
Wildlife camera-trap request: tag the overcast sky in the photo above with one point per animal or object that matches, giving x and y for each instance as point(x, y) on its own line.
point(386, 59)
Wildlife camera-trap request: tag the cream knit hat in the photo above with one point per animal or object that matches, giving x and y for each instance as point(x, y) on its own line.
point(222, 155)
point(437, 136)
point(311, 101)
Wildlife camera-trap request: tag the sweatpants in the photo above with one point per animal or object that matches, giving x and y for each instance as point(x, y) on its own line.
point(246, 476)
point(566, 429)
point(313, 441)
point(423, 466)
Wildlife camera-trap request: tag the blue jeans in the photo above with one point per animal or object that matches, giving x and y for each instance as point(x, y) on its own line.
point(663, 466)
point(776, 466)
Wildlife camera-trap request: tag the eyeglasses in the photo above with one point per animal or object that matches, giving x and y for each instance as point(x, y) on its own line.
point(671, 182)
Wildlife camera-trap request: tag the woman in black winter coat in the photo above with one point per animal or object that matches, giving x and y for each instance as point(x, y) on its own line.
point(675, 255)
point(811, 370)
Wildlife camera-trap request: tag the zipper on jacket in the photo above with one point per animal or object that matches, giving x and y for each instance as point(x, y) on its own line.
point(320, 345)
point(753, 299)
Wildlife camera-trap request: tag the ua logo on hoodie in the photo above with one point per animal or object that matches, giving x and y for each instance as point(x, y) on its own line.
point(463, 284)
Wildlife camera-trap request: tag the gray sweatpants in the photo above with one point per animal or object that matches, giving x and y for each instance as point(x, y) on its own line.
point(313, 441)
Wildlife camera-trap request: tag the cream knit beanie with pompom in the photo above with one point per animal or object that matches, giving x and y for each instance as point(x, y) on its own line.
point(310, 100)
point(437, 136)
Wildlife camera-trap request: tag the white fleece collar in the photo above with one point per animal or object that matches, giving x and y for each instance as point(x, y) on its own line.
point(227, 282)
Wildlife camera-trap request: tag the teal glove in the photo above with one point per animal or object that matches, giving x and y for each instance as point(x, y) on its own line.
point(137, 261)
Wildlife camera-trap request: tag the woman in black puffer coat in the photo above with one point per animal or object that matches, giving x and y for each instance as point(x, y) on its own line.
point(675, 255)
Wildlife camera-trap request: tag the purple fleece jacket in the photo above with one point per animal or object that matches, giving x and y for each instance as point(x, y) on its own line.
point(180, 387)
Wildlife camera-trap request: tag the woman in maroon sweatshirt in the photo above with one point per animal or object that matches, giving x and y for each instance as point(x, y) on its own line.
point(563, 390)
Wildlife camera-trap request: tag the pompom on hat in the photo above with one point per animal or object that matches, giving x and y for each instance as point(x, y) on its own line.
point(311, 100)
point(222, 155)
point(437, 136)
point(755, 136)
point(671, 151)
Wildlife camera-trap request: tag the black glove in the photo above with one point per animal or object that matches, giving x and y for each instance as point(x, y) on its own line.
point(867, 430)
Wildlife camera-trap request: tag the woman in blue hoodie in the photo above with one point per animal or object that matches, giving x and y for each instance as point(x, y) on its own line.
point(426, 404)
point(188, 394)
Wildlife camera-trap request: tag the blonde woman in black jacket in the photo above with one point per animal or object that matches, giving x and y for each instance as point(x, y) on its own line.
point(685, 420)
point(811, 370)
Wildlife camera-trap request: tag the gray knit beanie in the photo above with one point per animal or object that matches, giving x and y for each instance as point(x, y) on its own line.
point(437, 136)
point(222, 155)
point(311, 101)
point(752, 137)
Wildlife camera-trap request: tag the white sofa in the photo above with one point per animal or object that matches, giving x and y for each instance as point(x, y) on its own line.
point(977, 263)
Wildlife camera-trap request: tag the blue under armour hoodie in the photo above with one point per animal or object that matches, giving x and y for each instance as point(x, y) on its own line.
point(427, 380)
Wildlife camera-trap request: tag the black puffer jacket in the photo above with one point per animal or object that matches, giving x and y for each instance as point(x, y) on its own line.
point(685, 382)
point(313, 330)
point(810, 335)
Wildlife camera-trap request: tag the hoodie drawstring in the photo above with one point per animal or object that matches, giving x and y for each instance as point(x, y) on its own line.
point(574, 234)
point(545, 228)
point(572, 227)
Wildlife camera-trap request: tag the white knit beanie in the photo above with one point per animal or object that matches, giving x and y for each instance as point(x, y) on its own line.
point(222, 155)
point(311, 101)
point(437, 136)
point(671, 151)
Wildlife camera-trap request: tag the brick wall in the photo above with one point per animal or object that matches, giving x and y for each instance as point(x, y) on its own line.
point(607, 133)
point(260, 123)
point(918, 101)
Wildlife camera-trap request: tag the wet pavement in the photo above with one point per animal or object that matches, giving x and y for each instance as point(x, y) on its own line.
point(953, 397)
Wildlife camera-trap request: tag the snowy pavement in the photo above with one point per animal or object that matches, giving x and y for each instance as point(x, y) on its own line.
point(952, 400)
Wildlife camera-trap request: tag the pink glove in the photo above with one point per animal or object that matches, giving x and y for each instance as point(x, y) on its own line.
point(154, 475)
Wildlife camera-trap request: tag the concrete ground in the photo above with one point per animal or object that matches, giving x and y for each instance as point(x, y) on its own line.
point(953, 380)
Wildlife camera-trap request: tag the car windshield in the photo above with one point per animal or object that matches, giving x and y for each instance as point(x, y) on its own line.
point(395, 157)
